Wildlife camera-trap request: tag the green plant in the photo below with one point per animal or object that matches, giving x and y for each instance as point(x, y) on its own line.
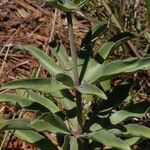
point(81, 85)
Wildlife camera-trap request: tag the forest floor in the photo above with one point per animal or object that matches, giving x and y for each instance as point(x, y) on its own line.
point(33, 22)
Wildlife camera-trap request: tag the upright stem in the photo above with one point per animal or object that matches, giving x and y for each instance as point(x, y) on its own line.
point(75, 72)
point(73, 48)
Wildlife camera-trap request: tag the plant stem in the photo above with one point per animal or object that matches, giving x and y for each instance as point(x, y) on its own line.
point(73, 48)
point(75, 72)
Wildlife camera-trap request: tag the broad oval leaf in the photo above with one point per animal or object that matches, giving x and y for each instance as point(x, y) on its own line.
point(48, 63)
point(90, 89)
point(108, 139)
point(136, 110)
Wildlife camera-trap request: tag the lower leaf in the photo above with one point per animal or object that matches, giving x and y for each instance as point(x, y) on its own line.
point(108, 139)
point(36, 139)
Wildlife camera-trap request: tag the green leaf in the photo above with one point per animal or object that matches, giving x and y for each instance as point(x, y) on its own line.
point(43, 101)
point(35, 138)
point(65, 98)
point(108, 139)
point(133, 140)
point(85, 54)
point(49, 122)
point(137, 130)
point(23, 102)
point(80, 3)
point(27, 102)
point(106, 85)
point(43, 58)
point(73, 143)
point(66, 6)
point(108, 70)
point(20, 124)
point(94, 33)
point(65, 79)
point(90, 89)
point(66, 144)
point(98, 29)
point(70, 143)
point(117, 132)
point(136, 110)
point(39, 84)
point(113, 43)
point(59, 52)
point(95, 127)
point(45, 122)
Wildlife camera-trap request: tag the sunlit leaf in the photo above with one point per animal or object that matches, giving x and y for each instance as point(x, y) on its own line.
point(47, 62)
point(108, 139)
point(73, 143)
point(35, 138)
point(43, 101)
point(70, 142)
point(108, 70)
point(136, 110)
point(67, 5)
point(66, 144)
point(12, 98)
point(96, 127)
point(46, 122)
point(137, 130)
point(50, 122)
point(133, 140)
point(94, 33)
point(113, 43)
point(91, 90)
point(64, 98)
point(21, 124)
point(60, 53)
point(39, 84)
